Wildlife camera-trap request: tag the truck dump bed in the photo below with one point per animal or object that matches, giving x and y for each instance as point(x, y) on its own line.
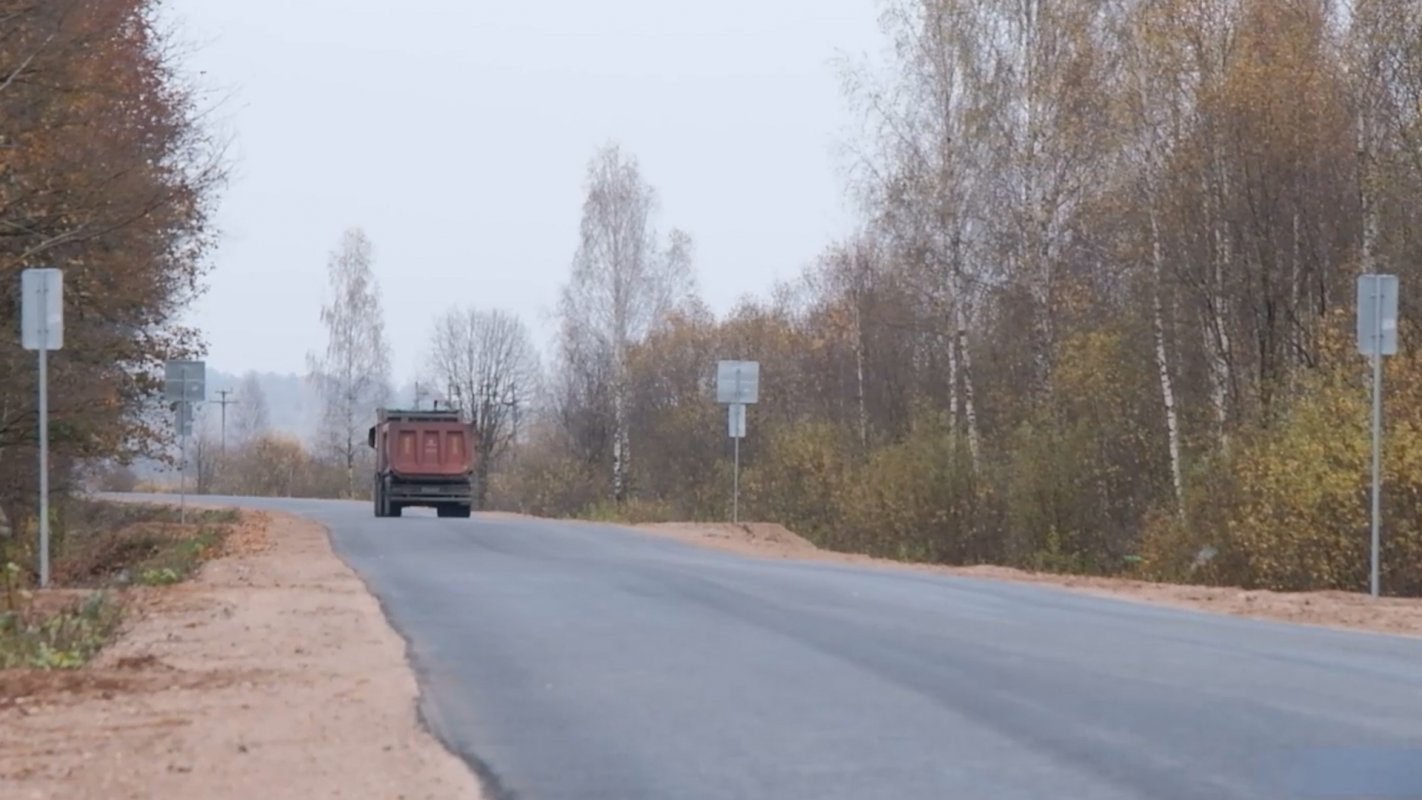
point(428, 449)
point(423, 458)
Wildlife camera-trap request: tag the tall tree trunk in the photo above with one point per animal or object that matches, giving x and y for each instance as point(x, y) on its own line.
point(481, 491)
point(1298, 336)
point(859, 376)
point(620, 443)
point(1162, 363)
point(1366, 190)
point(954, 406)
point(350, 466)
point(1217, 335)
point(969, 408)
point(959, 351)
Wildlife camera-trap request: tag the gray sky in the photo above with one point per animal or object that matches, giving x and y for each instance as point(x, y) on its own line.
point(457, 134)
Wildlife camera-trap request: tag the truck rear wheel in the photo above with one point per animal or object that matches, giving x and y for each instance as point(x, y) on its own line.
point(460, 511)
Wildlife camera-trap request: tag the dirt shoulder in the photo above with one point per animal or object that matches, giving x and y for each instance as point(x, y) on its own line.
point(272, 674)
point(1329, 609)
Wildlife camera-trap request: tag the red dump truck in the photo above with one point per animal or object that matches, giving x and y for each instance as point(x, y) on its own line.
point(423, 458)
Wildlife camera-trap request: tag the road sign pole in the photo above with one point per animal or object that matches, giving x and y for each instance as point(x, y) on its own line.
point(42, 329)
point(182, 463)
point(44, 453)
point(737, 385)
point(736, 485)
point(1377, 337)
point(1377, 434)
point(185, 383)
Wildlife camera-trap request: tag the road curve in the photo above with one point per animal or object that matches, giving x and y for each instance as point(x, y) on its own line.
point(573, 662)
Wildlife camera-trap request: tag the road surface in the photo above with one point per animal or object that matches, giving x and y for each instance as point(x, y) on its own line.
point(578, 662)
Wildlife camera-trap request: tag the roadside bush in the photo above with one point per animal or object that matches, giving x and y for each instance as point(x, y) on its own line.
point(178, 558)
point(545, 483)
point(800, 479)
point(61, 639)
point(919, 500)
point(1289, 509)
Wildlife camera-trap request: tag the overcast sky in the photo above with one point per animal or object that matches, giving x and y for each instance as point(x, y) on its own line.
point(457, 132)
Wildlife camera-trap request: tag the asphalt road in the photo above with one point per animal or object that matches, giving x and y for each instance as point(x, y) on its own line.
point(574, 662)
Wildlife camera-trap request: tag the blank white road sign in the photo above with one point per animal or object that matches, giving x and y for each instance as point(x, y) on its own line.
point(1371, 290)
point(185, 381)
point(737, 381)
point(42, 309)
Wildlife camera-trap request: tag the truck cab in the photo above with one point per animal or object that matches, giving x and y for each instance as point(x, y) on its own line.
point(423, 458)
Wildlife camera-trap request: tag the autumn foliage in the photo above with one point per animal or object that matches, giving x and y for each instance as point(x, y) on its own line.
point(1098, 316)
point(106, 174)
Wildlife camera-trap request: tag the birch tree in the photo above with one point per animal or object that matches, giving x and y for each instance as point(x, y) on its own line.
point(1154, 101)
point(624, 280)
point(352, 375)
point(1045, 105)
point(925, 180)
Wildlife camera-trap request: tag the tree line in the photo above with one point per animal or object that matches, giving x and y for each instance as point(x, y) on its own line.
point(106, 172)
point(1097, 315)
point(481, 362)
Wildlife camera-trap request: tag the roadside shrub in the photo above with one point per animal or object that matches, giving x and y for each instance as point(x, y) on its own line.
point(1289, 508)
point(62, 639)
point(178, 558)
point(918, 500)
point(800, 479)
point(545, 483)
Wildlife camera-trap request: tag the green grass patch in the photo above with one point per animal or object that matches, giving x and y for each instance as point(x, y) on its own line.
point(63, 638)
point(176, 559)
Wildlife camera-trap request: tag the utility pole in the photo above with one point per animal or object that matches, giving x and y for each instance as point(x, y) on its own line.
point(224, 402)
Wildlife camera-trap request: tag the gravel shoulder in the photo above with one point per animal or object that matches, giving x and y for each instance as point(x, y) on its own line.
point(272, 674)
point(1401, 616)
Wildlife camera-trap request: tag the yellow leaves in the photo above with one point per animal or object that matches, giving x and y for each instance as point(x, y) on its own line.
point(1296, 512)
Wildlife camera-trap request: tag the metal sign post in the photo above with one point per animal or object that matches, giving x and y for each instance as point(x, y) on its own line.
point(42, 329)
point(737, 385)
point(185, 383)
point(1377, 337)
point(737, 425)
point(184, 412)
